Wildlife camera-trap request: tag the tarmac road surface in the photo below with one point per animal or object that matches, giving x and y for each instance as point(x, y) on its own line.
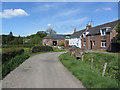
point(41, 71)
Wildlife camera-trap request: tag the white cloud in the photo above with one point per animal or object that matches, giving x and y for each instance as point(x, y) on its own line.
point(107, 9)
point(97, 10)
point(48, 25)
point(9, 13)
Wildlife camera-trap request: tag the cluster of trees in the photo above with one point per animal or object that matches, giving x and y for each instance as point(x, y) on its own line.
point(32, 39)
point(10, 39)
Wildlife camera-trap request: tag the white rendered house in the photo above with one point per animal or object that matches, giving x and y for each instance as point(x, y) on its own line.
point(75, 39)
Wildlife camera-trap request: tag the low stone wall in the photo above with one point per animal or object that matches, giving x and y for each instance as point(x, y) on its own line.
point(77, 53)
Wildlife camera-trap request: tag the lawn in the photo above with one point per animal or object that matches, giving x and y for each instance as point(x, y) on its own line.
point(92, 77)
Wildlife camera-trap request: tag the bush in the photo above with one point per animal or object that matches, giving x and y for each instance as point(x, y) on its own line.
point(62, 44)
point(11, 53)
point(24, 46)
point(41, 49)
point(10, 65)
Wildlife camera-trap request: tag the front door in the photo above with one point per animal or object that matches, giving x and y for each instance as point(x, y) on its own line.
point(54, 43)
point(90, 44)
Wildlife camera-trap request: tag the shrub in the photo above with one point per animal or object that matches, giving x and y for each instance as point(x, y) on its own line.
point(11, 53)
point(41, 49)
point(62, 44)
point(24, 46)
point(10, 65)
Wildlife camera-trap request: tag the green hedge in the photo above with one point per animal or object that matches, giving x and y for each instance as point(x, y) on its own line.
point(41, 49)
point(24, 46)
point(9, 53)
point(10, 65)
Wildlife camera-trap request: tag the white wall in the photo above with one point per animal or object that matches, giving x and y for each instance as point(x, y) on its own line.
point(75, 41)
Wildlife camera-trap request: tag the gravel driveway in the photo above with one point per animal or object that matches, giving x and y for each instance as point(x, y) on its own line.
point(41, 71)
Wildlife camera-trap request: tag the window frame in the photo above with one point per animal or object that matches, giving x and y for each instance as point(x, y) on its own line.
point(103, 31)
point(93, 43)
point(84, 43)
point(103, 43)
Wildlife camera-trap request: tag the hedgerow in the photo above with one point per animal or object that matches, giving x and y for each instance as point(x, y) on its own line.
point(11, 64)
point(11, 53)
point(41, 49)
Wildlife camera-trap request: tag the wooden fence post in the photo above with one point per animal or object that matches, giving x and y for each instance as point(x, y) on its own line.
point(82, 57)
point(91, 62)
point(104, 69)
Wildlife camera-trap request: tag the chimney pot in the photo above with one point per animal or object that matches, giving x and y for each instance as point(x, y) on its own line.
point(74, 29)
point(88, 26)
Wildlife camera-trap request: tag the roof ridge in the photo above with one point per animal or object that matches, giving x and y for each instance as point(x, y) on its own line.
point(105, 23)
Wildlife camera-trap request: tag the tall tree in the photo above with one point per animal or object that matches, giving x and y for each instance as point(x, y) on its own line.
point(50, 31)
point(41, 34)
point(118, 30)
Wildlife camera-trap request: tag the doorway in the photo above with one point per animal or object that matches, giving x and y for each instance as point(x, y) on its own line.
point(54, 43)
point(90, 44)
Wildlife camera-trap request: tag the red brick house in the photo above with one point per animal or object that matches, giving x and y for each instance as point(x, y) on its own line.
point(55, 40)
point(100, 37)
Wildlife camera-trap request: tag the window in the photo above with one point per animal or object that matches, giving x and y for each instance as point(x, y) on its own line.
point(103, 32)
point(84, 43)
point(93, 43)
point(84, 34)
point(103, 43)
point(92, 35)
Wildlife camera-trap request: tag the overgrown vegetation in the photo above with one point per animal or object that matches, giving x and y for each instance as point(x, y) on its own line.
point(118, 30)
point(8, 53)
point(12, 63)
point(18, 40)
point(41, 49)
point(17, 46)
point(92, 78)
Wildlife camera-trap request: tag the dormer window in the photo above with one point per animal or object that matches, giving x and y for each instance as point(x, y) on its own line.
point(84, 34)
point(103, 32)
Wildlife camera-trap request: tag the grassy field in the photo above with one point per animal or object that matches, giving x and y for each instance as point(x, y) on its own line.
point(92, 77)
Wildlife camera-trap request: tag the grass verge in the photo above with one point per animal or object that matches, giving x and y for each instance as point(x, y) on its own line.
point(91, 78)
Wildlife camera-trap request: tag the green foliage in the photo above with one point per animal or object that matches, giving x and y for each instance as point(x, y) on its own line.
point(16, 46)
point(41, 34)
point(11, 64)
point(13, 40)
point(41, 49)
point(62, 44)
point(9, 53)
point(91, 78)
point(100, 59)
point(118, 30)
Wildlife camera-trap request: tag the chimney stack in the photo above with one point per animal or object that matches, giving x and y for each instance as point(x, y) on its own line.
point(74, 29)
point(88, 26)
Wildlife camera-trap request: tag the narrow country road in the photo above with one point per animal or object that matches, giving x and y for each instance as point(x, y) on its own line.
point(41, 71)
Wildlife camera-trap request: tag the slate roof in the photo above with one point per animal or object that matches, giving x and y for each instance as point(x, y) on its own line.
point(55, 36)
point(96, 29)
point(77, 34)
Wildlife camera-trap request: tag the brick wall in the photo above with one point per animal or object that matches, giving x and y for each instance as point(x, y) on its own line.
point(50, 41)
point(97, 39)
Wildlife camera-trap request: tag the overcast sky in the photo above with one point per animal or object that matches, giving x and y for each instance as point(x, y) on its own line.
point(25, 18)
